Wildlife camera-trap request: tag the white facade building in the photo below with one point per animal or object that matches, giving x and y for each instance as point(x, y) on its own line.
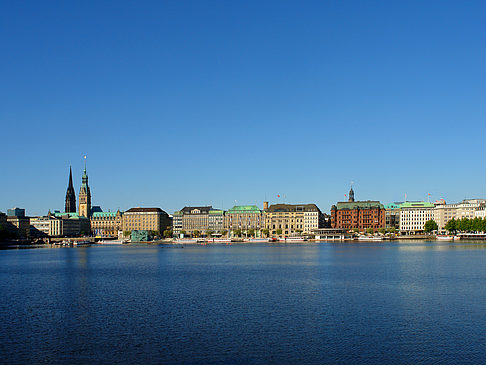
point(413, 216)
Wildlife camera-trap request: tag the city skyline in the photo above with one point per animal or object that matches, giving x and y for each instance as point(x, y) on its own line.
point(206, 103)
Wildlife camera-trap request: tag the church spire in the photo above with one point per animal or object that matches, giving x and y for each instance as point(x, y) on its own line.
point(70, 204)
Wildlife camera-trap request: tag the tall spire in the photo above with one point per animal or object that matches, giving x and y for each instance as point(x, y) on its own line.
point(70, 203)
point(84, 208)
point(351, 194)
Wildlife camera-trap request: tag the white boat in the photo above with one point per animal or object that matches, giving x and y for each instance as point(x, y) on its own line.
point(113, 242)
point(219, 240)
point(444, 238)
point(185, 240)
point(293, 239)
point(256, 240)
point(370, 238)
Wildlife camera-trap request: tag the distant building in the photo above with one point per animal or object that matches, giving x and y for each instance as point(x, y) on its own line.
point(70, 202)
point(413, 216)
point(202, 219)
point(106, 224)
point(244, 217)
point(358, 214)
point(16, 212)
point(443, 212)
point(293, 219)
point(145, 219)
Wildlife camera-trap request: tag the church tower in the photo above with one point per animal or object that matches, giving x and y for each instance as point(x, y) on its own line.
point(70, 205)
point(84, 196)
point(351, 194)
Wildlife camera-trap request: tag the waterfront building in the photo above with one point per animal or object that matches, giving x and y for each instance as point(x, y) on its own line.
point(293, 219)
point(84, 196)
point(106, 224)
point(68, 225)
point(443, 212)
point(358, 214)
point(202, 219)
point(39, 226)
point(70, 202)
point(413, 216)
point(18, 226)
point(480, 213)
point(244, 218)
point(145, 219)
point(215, 220)
point(392, 215)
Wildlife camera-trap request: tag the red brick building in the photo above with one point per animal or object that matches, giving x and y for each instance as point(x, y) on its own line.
point(360, 214)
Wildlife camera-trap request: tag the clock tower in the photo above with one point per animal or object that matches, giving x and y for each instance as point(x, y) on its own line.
point(84, 196)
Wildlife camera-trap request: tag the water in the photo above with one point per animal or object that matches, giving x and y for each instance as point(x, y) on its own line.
point(299, 303)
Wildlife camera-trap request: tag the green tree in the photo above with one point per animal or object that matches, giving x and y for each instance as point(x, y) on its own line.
point(370, 230)
point(209, 233)
point(430, 226)
point(196, 233)
point(183, 232)
point(265, 232)
point(279, 231)
point(237, 232)
point(392, 229)
point(167, 233)
point(382, 230)
point(155, 233)
point(251, 232)
point(451, 225)
point(224, 232)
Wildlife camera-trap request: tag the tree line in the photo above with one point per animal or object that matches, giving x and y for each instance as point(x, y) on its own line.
point(466, 225)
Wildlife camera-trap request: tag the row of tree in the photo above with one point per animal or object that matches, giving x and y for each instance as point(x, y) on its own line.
point(466, 225)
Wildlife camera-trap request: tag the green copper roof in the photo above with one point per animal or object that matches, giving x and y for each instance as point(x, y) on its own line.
point(369, 204)
point(214, 211)
point(417, 205)
point(392, 206)
point(59, 214)
point(244, 209)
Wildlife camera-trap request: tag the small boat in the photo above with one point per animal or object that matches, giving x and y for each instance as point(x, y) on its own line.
point(444, 238)
point(292, 239)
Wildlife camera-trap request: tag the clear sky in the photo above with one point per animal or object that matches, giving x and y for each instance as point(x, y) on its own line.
point(210, 102)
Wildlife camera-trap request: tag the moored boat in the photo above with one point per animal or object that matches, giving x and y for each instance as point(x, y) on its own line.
point(444, 238)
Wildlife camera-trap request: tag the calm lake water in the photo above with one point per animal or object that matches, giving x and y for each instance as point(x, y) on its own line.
point(298, 303)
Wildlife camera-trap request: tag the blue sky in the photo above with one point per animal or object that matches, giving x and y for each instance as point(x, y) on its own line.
point(210, 102)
